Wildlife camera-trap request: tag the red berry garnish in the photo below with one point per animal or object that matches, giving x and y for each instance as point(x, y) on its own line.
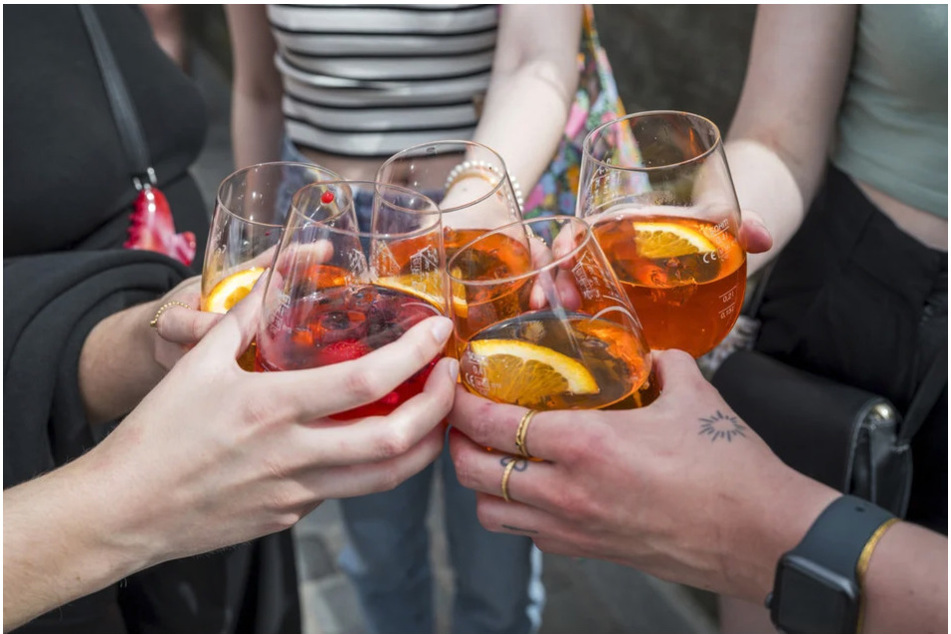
point(327, 197)
point(346, 350)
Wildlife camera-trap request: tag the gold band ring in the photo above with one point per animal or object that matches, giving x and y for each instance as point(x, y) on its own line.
point(163, 308)
point(505, 479)
point(521, 434)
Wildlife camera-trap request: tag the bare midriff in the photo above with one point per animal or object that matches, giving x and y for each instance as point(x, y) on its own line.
point(927, 228)
point(363, 169)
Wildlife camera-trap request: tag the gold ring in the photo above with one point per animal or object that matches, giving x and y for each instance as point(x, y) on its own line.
point(163, 308)
point(505, 479)
point(521, 434)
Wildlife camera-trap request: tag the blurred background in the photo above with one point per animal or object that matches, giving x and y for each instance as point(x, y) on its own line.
point(664, 57)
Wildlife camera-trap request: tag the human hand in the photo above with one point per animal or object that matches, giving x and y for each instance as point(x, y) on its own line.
point(215, 455)
point(681, 489)
point(182, 324)
point(754, 236)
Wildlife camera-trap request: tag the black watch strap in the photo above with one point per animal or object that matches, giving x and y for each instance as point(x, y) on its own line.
point(818, 585)
point(838, 536)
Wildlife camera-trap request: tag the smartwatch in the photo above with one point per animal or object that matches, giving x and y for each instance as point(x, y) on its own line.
point(817, 587)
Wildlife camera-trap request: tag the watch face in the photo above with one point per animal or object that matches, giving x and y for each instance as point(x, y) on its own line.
point(811, 599)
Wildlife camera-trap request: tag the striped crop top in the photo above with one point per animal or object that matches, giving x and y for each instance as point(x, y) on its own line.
point(371, 80)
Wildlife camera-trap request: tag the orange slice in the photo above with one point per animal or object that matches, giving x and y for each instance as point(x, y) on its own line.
point(659, 240)
point(528, 374)
point(231, 290)
point(427, 286)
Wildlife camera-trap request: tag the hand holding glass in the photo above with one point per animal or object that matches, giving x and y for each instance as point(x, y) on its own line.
point(335, 293)
point(468, 181)
point(668, 220)
point(583, 348)
point(250, 209)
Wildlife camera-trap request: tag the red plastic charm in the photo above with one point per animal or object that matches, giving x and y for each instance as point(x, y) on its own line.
point(153, 229)
point(327, 197)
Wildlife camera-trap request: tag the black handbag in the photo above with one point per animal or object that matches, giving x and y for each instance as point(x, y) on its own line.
point(843, 436)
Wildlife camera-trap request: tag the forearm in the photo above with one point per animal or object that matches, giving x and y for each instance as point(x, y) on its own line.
point(764, 184)
point(117, 366)
point(904, 590)
point(57, 544)
point(764, 526)
point(534, 79)
point(257, 128)
point(523, 120)
point(257, 121)
point(785, 119)
point(906, 587)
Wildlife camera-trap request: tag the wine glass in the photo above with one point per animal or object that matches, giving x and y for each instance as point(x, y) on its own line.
point(250, 210)
point(668, 219)
point(336, 293)
point(468, 181)
point(555, 334)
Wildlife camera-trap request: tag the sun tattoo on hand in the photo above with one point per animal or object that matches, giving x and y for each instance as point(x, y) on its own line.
point(721, 425)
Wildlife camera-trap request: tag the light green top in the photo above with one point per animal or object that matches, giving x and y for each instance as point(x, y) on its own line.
point(893, 126)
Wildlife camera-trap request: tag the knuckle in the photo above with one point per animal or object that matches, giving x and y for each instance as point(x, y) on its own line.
point(575, 504)
point(256, 411)
point(395, 442)
point(464, 470)
point(485, 515)
point(480, 424)
point(362, 385)
point(390, 480)
point(283, 521)
point(423, 351)
point(195, 330)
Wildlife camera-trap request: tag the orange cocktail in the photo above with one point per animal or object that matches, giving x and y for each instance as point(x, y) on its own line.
point(685, 277)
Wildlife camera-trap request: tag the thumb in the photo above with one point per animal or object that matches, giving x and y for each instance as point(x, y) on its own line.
point(234, 333)
point(754, 236)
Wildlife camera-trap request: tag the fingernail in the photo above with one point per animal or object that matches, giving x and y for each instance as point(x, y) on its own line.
point(441, 329)
point(453, 368)
point(538, 297)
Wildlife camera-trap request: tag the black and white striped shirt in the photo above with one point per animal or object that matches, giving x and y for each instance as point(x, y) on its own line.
point(371, 80)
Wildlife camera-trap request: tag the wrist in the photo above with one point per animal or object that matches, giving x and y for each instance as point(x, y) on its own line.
point(776, 524)
point(117, 364)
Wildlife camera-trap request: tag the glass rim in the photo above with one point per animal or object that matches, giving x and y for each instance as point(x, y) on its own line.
point(495, 189)
point(589, 140)
point(588, 237)
point(348, 184)
point(267, 164)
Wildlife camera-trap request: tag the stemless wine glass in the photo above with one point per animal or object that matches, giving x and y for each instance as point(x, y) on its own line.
point(558, 335)
point(336, 293)
point(468, 181)
point(668, 220)
point(250, 209)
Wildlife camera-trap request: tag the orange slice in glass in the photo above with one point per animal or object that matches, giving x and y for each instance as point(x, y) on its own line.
point(231, 290)
point(659, 240)
point(527, 374)
point(427, 286)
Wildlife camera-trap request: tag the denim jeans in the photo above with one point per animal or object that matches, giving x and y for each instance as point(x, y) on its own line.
point(498, 587)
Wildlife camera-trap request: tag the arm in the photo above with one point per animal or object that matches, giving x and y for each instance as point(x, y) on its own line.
point(123, 357)
point(216, 456)
point(648, 489)
point(778, 141)
point(534, 77)
point(257, 121)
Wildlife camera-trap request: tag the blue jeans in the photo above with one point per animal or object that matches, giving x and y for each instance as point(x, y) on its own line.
point(498, 587)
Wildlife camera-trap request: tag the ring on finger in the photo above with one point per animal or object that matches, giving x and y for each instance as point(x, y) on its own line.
point(505, 479)
point(163, 308)
point(521, 434)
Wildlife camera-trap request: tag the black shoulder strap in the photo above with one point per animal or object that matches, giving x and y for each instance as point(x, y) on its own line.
point(927, 395)
point(123, 110)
